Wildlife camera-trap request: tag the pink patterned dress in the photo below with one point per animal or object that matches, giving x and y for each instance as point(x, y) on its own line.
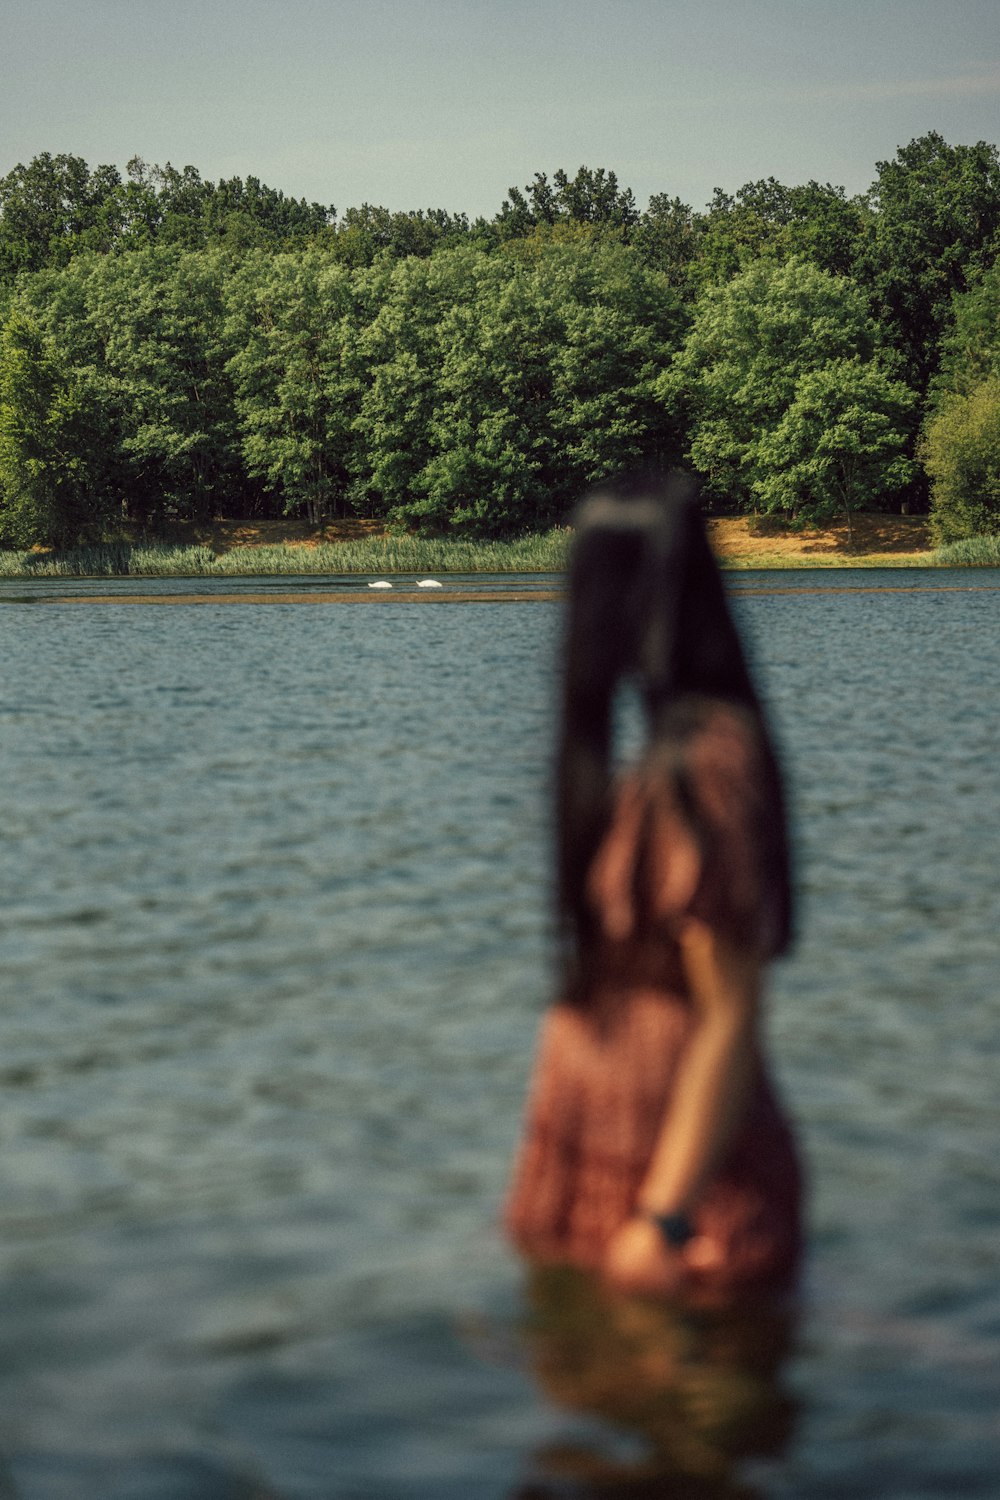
point(605, 1072)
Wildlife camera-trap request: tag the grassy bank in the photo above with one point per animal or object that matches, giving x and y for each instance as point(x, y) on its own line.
point(364, 555)
point(973, 552)
point(274, 549)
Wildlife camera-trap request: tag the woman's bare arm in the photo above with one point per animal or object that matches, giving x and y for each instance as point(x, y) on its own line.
point(711, 1093)
point(716, 1071)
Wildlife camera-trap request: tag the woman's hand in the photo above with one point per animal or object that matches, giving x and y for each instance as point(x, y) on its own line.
point(638, 1259)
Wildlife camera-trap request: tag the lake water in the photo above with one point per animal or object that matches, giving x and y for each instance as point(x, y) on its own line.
point(274, 946)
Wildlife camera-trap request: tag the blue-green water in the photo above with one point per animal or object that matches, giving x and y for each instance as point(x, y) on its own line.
point(274, 944)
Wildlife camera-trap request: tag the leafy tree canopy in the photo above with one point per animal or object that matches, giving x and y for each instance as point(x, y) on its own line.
point(971, 349)
point(293, 324)
point(367, 232)
point(960, 449)
point(935, 228)
point(750, 342)
point(500, 386)
point(841, 444)
point(56, 208)
point(816, 221)
point(591, 197)
point(53, 444)
point(220, 345)
point(771, 355)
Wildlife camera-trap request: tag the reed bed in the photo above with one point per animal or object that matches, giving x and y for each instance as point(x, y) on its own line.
point(542, 553)
point(970, 552)
point(112, 560)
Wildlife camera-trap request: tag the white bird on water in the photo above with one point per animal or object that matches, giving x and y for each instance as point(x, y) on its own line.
point(382, 584)
point(428, 583)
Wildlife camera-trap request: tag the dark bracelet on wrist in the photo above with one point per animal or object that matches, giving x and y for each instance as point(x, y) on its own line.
point(676, 1229)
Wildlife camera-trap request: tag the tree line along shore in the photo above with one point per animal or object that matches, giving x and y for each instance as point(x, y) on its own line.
point(173, 349)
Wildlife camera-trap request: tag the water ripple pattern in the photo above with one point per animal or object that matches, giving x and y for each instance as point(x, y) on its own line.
point(274, 940)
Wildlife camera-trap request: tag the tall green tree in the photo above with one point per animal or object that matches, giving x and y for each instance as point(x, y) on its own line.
point(960, 448)
point(145, 331)
point(668, 237)
point(160, 316)
point(841, 445)
point(935, 227)
point(501, 386)
point(57, 207)
point(815, 222)
point(960, 442)
point(591, 196)
point(970, 351)
point(365, 233)
point(620, 322)
point(293, 327)
point(53, 444)
point(425, 315)
point(750, 343)
point(52, 209)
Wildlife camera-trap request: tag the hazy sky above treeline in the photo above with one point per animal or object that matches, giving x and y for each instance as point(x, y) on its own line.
point(446, 103)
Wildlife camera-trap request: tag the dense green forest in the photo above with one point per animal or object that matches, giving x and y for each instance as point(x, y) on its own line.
point(173, 348)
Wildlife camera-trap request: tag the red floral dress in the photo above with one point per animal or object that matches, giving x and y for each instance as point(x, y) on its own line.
point(605, 1072)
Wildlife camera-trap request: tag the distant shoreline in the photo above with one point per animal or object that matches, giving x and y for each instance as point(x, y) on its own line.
point(466, 595)
point(738, 541)
point(271, 549)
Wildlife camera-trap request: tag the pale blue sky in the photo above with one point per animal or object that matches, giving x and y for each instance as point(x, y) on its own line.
point(413, 103)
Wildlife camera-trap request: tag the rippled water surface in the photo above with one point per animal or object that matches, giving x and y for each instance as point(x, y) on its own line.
point(273, 942)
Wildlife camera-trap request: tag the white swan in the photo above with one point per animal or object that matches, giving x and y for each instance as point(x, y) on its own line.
point(380, 585)
point(428, 583)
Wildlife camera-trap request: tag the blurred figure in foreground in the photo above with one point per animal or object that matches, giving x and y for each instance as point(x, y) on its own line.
point(655, 1152)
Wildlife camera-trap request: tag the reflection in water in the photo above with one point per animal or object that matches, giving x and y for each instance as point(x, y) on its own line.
point(700, 1387)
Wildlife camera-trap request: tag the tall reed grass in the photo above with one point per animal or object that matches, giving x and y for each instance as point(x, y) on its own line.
point(541, 553)
point(970, 552)
point(113, 560)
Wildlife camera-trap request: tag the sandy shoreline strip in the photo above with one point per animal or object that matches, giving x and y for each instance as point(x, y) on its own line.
point(315, 596)
point(468, 596)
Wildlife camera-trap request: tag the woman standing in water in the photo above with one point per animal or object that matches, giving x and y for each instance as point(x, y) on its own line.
point(655, 1151)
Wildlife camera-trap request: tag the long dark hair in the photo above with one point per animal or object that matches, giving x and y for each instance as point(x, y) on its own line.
point(647, 605)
